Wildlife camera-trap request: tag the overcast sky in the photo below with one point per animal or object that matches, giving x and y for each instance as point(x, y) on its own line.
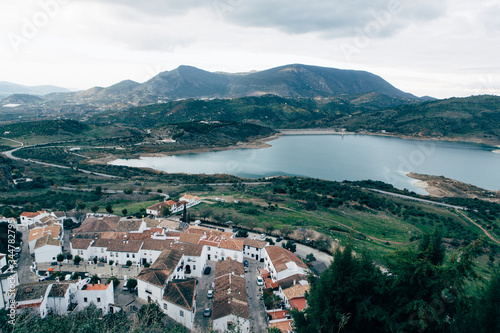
point(440, 48)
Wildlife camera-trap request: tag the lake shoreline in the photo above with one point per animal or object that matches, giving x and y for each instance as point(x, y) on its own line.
point(264, 142)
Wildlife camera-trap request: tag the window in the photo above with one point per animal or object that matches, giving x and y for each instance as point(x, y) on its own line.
point(98, 300)
point(133, 255)
point(116, 254)
point(85, 300)
point(194, 267)
point(127, 255)
point(102, 250)
point(182, 313)
point(252, 255)
point(165, 306)
point(208, 248)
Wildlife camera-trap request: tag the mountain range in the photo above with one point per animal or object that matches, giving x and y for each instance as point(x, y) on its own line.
point(299, 81)
point(7, 89)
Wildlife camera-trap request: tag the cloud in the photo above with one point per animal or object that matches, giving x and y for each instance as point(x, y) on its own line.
point(335, 18)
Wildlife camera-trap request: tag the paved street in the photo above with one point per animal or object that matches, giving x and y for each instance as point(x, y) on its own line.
point(258, 321)
point(105, 271)
point(24, 263)
point(203, 324)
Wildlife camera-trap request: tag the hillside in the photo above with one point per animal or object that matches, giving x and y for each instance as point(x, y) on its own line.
point(472, 118)
point(268, 110)
point(21, 99)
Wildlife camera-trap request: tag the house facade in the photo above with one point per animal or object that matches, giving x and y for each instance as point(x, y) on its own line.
point(282, 263)
point(179, 301)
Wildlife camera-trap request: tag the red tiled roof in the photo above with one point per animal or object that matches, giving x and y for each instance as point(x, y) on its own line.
point(280, 257)
point(298, 303)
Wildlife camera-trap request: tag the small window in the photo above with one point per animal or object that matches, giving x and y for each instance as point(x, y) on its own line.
point(208, 248)
point(252, 255)
point(98, 300)
point(102, 250)
point(194, 267)
point(85, 300)
point(127, 255)
point(133, 255)
point(165, 306)
point(182, 313)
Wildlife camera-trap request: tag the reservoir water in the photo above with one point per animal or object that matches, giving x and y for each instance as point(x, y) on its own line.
point(349, 157)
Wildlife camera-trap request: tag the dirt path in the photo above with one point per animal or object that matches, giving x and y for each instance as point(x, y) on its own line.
point(486, 232)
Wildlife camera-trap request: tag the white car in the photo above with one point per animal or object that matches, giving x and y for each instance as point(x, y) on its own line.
point(263, 236)
point(210, 293)
point(260, 281)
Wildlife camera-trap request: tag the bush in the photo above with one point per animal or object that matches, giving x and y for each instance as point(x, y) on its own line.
point(115, 281)
point(129, 263)
point(77, 259)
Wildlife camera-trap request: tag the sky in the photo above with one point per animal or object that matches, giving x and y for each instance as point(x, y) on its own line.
point(439, 48)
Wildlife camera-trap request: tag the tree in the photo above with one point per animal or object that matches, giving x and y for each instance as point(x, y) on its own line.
point(286, 231)
point(251, 224)
point(166, 211)
point(151, 316)
point(242, 233)
point(323, 243)
point(94, 279)
point(115, 281)
point(98, 190)
point(131, 284)
point(344, 297)
point(94, 209)
point(488, 305)
point(60, 257)
point(290, 246)
point(129, 263)
point(269, 227)
point(109, 209)
point(273, 330)
point(77, 259)
point(124, 211)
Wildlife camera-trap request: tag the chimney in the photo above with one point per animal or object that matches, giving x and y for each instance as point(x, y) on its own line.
point(294, 282)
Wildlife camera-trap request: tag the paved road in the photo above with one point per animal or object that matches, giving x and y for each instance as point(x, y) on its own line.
point(24, 263)
point(258, 321)
point(9, 154)
point(417, 199)
point(205, 282)
point(166, 196)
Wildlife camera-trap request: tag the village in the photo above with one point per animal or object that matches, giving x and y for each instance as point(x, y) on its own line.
point(200, 275)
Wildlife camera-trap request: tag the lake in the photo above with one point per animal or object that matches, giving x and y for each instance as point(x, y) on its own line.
point(338, 158)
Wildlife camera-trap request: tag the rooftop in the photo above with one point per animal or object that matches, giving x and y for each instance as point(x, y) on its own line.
point(58, 289)
point(47, 240)
point(281, 257)
point(31, 291)
point(181, 292)
point(89, 287)
point(230, 297)
point(81, 243)
point(254, 243)
point(229, 266)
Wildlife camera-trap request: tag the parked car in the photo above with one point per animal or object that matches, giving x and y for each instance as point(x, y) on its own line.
point(260, 281)
point(279, 239)
point(210, 293)
point(246, 269)
point(207, 312)
point(245, 263)
point(125, 288)
point(263, 236)
point(17, 249)
point(207, 270)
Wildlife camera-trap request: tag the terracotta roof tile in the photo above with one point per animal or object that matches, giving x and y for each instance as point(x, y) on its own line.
point(118, 245)
point(181, 293)
point(189, 238)
point(230, 297)
point(297, 290)
point(47, 240)
point(280, 257)
point(156, 244)
point(229, 266)
point(254, 243)
point(193, 250)
point(81, 243)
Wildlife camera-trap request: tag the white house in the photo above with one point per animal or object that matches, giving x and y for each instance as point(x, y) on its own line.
point(152, 248)
point(282, 263)
point(179, 301)
point(81, 247)
point(55, 231)
point(121, 251)
point(58, 298)
point(190, 200)
point(152, 281)
point(230, 307)
point(47, 248)
point(194, 258)
point(101, 295)
point(98, 249)
point(254, 249)
point(33, 296)
point(28, 218)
